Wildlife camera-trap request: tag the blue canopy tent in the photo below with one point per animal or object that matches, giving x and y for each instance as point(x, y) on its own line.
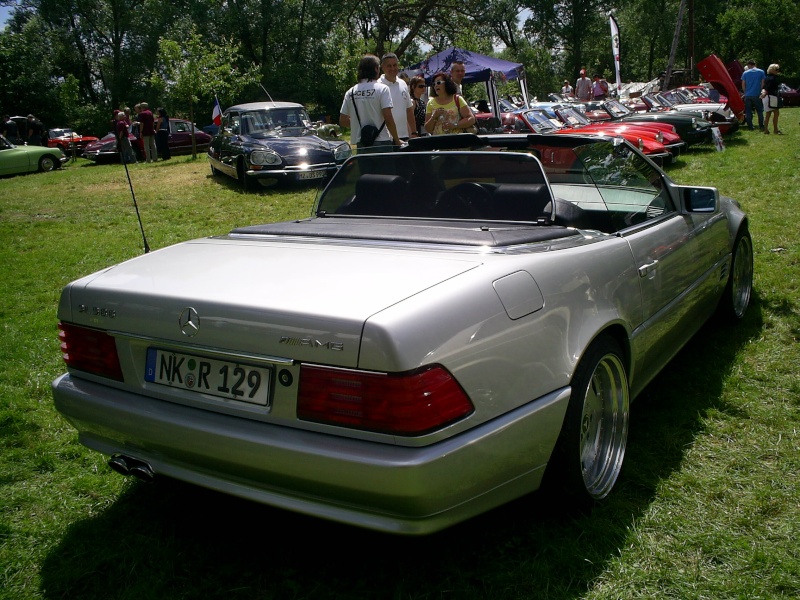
point(479, 67)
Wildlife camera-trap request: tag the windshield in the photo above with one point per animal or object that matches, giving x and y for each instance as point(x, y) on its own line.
point(539, 121)
point(612, 185)
point(501, 186)
point(615, 109)
point(272, 122)
point(604, 185)
point(572, 117)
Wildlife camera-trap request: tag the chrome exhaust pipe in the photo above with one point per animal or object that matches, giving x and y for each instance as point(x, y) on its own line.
point(143, 472)
point(125, 465)
point(119, 464)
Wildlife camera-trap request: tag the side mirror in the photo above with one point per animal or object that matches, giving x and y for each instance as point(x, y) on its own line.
point(700, 200)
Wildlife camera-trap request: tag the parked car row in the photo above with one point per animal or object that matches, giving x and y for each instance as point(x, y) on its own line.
point(17, 159)
point(180, 142)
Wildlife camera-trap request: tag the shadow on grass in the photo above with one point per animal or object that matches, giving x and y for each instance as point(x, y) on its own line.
point(171, 540)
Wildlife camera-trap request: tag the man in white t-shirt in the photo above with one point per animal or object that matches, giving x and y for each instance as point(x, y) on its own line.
point(369, 102)
point(403, 105)
point(583, 87)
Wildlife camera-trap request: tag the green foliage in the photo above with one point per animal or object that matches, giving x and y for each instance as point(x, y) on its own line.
point(26, 72)
point(79, 115)
point(191, 68)
point(766, 31)
point(307, 50)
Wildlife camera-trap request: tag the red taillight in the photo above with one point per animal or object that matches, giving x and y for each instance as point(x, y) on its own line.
point(410, 403)
point(89, 350)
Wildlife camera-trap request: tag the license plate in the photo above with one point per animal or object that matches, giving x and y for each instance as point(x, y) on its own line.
point(310, 174)
point(226, 379)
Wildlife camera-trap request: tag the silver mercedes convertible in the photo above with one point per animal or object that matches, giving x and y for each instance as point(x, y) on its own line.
point(456, 325)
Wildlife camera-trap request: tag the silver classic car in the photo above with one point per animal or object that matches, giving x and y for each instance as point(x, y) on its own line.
point(454, 326)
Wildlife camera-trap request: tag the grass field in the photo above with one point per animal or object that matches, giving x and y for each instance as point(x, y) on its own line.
point(708, 504)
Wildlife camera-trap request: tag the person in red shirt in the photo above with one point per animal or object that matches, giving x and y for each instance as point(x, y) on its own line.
point(148, 132)
point(126, 154)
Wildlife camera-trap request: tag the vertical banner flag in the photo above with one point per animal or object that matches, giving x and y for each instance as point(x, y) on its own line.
point(216, 113)
point(615, 48)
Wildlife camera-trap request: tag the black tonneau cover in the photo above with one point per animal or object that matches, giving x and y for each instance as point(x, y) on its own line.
point(460, 233)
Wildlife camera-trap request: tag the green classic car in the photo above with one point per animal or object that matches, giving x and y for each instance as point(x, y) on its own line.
point(27, 159)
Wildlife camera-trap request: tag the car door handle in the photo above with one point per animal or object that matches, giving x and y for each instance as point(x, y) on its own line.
point(645, 270)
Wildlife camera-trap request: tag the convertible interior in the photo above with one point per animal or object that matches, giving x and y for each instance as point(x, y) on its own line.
point(488, 196)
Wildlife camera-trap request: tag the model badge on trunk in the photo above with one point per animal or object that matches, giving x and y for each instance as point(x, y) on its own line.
point(311, 342)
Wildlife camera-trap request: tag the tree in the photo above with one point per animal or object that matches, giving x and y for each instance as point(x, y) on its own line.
point(26, 72)
point(190, 68)
point(574, 29)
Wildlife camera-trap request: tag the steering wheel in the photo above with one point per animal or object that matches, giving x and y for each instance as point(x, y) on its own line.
point(468, 200)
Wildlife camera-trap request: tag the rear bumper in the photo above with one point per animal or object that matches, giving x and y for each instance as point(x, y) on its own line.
point(397, 489)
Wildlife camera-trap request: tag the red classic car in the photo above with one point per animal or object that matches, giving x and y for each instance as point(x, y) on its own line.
point(180, 142)
point(649, 142)
point(715, 73)
point(180, 138)
point(790, 97)
point(67, 140)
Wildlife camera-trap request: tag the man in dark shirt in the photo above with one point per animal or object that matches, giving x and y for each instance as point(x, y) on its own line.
point(34, 131)
point(148, 132)
point(10, 130)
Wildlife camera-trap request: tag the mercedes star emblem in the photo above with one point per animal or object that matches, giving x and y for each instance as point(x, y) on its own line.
point(189, 322)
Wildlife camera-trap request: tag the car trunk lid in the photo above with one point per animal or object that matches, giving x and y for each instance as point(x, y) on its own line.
point(246, 299)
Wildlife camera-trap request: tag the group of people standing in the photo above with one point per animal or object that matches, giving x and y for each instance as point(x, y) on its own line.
point(33, 132)
point(153, 132)
point(586, 89)
point(397, 109)
point(762, 96)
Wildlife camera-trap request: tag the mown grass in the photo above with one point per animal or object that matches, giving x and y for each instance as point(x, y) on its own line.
point(707, 506)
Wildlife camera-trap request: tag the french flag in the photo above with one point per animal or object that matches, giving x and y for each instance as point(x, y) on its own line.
point(216, 114)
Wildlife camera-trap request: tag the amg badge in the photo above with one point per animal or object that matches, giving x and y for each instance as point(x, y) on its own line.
point(311, 342)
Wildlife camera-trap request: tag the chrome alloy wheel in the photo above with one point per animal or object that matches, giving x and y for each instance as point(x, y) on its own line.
point(604, 426)
point(742, 276)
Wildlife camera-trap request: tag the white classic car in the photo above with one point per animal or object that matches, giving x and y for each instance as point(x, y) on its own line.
point(449, 330)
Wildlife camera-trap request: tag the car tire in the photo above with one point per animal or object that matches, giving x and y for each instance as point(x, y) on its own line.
point(214, 172)
point(48, 163)
point(589, 453)
point(244, 178)
point(739, 288)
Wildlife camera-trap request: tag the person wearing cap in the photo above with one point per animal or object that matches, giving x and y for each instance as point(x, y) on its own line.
point(583, 87)
point(566, 90)
point(752, 84)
